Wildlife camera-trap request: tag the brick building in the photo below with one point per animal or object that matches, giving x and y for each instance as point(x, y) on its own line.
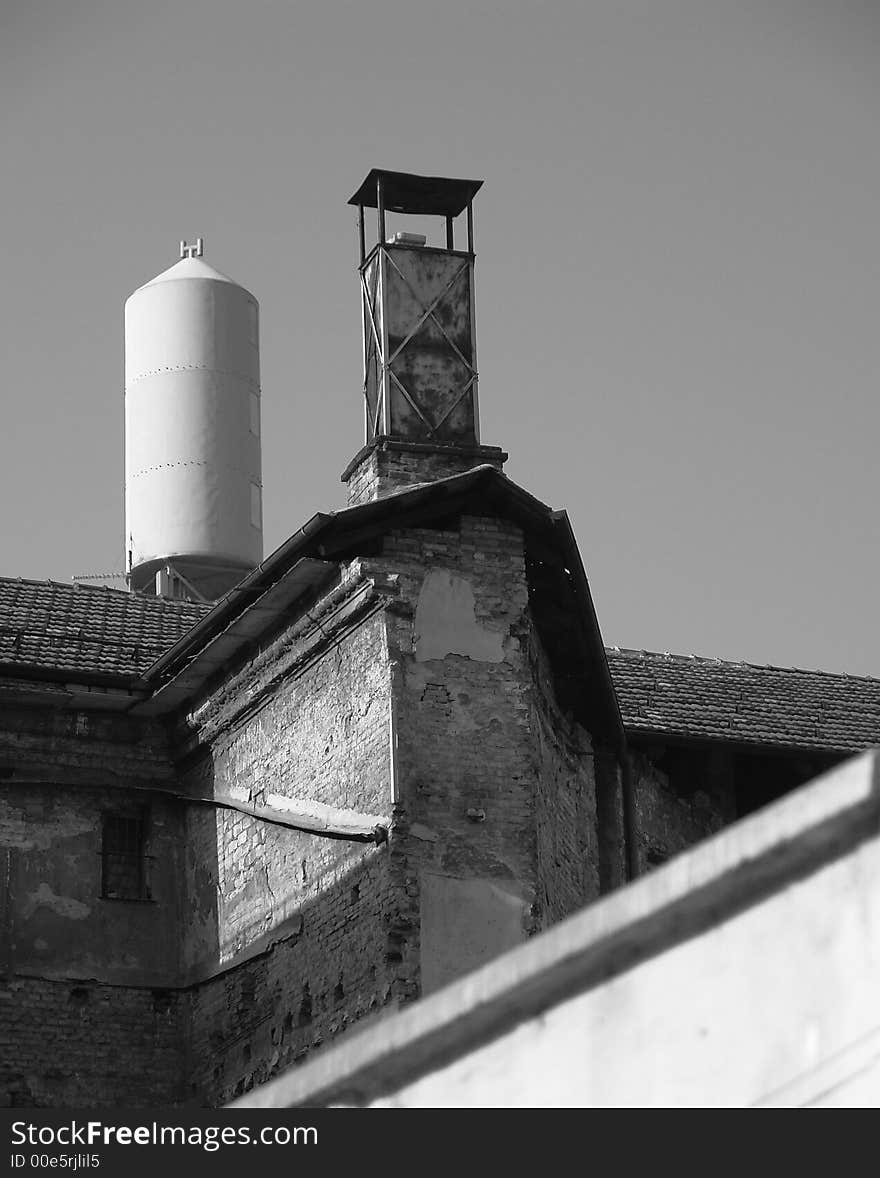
point(230, 830)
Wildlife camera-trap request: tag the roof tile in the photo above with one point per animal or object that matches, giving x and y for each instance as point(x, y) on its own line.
point(81, 629)
point(87, 629)
point(685, 696)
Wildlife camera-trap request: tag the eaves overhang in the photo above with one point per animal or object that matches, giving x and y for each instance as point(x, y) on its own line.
point(640, 735)
point(219, 649)
point(56, 687)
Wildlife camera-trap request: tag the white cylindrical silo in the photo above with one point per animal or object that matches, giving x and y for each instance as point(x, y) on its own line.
point(192, 430)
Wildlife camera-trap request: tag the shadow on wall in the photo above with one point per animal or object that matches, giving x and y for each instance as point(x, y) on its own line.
point(90, 939)
point(289, 937)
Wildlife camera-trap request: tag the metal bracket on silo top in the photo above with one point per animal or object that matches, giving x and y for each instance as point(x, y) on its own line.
point(192, 251)
point(419, 332)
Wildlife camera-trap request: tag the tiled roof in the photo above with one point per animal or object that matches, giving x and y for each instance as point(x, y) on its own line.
point(80, 629)
point(704, 698)
point(85, 629)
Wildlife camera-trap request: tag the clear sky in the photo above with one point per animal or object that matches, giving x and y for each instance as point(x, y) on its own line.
point(678, 273)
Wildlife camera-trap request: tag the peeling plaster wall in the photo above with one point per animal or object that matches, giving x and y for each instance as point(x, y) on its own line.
point(335, 929)
point(298, 924)
point(61, 770)
point(466, 776)
point(329, 967)
point(320, 735)
point(56, 925)
point(465, 923)
point(323, 732)
point(446, 622)
point(482, 770)
point(85, 1013)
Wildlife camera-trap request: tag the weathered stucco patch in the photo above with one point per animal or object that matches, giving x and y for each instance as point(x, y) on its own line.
point(44, 897)
point(420, 831)
point(19, 830)
point(445, 621)
point(465, 923)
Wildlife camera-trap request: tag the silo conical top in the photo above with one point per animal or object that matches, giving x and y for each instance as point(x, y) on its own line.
point(189, 268)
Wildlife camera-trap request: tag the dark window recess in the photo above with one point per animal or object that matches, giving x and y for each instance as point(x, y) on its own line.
point(123, 862)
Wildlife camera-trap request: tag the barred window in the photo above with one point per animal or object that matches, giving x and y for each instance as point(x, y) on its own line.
point(123, 861)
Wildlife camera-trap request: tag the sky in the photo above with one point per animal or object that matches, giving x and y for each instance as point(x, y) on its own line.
point(677, 274)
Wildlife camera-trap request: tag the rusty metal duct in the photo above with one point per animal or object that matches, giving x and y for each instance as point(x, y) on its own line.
point(420, 355)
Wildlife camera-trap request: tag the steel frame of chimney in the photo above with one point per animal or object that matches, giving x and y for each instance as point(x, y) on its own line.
point(385, 372)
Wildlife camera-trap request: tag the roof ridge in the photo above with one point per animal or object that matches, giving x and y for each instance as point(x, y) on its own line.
point(78, 586)
point(715, 661)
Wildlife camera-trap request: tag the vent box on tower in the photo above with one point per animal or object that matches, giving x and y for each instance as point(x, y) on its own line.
point(420, 354)
point(192, 432)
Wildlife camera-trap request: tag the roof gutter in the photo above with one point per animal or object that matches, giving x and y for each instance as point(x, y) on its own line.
point(229, 605)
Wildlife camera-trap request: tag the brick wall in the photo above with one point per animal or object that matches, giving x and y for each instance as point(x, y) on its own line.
point(312, 913)
point(66, 1037)
point(565, 811)
point(485, 766)
point(465, 775)
point(86, 1045)
point(49, 742)
point(669, 819)
point(329, 969)
point(318, 734)
point(390, 465)
point(493, 790)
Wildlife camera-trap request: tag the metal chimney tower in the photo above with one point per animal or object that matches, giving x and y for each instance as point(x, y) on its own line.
point(420, 355)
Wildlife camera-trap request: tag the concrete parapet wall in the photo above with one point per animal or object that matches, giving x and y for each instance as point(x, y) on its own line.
point(744, 972)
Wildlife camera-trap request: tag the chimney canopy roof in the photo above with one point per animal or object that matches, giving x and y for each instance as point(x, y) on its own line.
point(403, 192)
